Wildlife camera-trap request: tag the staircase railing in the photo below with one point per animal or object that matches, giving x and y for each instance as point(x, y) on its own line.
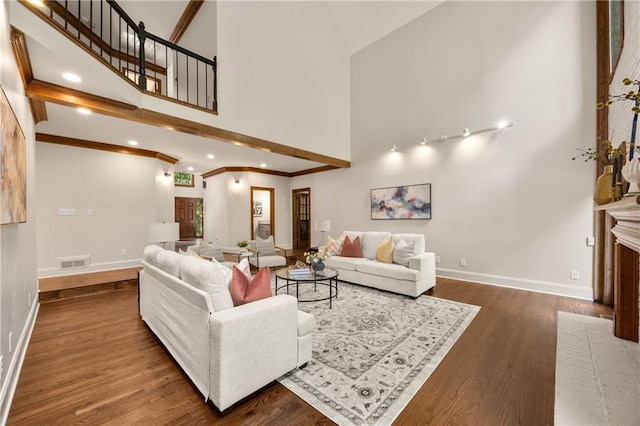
point(154, 64)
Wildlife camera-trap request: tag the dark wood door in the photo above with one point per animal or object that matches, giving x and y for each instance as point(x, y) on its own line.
point(189, 215)
point(301, 218)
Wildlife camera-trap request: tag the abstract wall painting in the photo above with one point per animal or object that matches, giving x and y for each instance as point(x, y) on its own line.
point(401, 202)
point(13, 163)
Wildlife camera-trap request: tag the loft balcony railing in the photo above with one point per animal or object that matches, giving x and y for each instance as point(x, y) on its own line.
point(156, 65)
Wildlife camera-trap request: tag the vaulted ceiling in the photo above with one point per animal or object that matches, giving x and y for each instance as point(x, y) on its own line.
point(359, 23)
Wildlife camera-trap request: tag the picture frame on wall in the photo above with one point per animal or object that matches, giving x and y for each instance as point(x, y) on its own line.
point(13, 145)
point(401, 202)
point(257, 208)
point(183, 179)
point(616, 34)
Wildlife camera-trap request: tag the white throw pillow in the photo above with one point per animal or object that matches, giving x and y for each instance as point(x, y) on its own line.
point(212, 250)
point(150, 254)
point(210, 277)
point(169, 261)
point(244, 267)
point(266, 247)
point(403, 252)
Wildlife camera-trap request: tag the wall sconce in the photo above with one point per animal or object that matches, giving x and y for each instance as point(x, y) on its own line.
point(237, 181)
point(167, 174)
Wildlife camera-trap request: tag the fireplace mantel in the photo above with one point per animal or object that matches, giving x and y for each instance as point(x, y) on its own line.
point(624, 258)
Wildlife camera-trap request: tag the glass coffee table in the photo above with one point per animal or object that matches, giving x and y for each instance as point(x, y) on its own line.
point(326, 279)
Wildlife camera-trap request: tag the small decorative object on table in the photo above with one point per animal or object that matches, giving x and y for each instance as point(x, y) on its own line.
point(316, 260)
point(630, 170)
point(242, 244)
point(605, 185)
point(299, 269)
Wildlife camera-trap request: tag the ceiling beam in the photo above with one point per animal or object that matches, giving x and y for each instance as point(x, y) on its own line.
point(190, 12)
point(82, 143)
point(23, 61)
point(267, 171)
point(50, 92)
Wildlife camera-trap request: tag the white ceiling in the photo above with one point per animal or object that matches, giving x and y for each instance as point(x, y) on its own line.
point(359, 23)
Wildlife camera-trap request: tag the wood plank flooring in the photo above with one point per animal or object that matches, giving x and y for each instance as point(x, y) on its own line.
point(93, 361)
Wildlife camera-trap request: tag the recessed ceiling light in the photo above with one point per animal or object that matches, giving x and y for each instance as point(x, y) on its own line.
point(190, 169)
point(263, 165)
point(72, 77)
point(133, 143)
point(211, 156)
point(84, 111)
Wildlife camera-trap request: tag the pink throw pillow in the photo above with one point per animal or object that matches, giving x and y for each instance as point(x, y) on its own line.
point(245, 290)
point(351, 248)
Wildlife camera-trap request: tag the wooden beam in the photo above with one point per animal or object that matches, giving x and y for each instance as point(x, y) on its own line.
point(38, 111)
point(314, 170)
point(190, 12)
point(83, 143)
point(23, 61)
point(50, 92)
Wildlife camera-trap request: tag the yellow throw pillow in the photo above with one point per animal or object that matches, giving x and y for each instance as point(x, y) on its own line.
point(385, 252)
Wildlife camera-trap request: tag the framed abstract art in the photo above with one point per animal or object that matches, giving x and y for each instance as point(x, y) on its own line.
point(401, 202)
point(13, 148)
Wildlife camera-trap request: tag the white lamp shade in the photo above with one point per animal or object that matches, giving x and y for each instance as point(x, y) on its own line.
point(323, 225)
point(164, 232)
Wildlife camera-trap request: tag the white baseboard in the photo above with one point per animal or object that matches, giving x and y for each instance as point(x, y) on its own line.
point(94, 267)
point(519, 283)
point(15, 366)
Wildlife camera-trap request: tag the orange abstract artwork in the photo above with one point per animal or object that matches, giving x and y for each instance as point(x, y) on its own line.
point(13, 191)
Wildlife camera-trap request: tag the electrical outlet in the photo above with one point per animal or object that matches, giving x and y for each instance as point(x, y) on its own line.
point(10, 341)
point(437, 259)
point(29, 304)
point(591, 241)
point(463, 262)
point(575, 275)
point(123, 252)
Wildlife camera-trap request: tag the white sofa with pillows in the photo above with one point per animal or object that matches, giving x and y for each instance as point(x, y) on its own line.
point(228, 351)
point(386, 261)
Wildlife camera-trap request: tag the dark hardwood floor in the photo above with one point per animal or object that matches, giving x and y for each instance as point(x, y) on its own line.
point(92, 360)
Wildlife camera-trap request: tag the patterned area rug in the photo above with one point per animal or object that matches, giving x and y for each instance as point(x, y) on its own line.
point(373, 351)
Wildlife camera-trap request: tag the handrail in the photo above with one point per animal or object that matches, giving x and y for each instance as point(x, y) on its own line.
point(154, 64)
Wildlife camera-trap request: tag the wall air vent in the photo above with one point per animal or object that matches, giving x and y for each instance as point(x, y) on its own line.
point(74, 262)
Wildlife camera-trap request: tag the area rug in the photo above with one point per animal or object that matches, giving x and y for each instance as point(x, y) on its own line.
point(597, 374)
point(373, 351)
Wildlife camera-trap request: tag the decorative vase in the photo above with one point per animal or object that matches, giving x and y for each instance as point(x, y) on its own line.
point(631, 173)
point(604, 190)
point(318, 266)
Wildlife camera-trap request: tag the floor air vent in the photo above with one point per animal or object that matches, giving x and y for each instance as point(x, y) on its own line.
point(75, 262)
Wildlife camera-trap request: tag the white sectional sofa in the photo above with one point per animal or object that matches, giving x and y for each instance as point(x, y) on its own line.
point(412, 279)
point(228, 352)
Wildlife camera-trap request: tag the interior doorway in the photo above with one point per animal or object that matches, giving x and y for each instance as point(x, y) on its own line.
point(301, 206)
point(188, 212)
point(262, 210)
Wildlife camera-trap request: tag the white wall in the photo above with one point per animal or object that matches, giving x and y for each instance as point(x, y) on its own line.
point(512, 204)
point(229, 212)
point(124, 192)
point(283, 74)
point(18, 282)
